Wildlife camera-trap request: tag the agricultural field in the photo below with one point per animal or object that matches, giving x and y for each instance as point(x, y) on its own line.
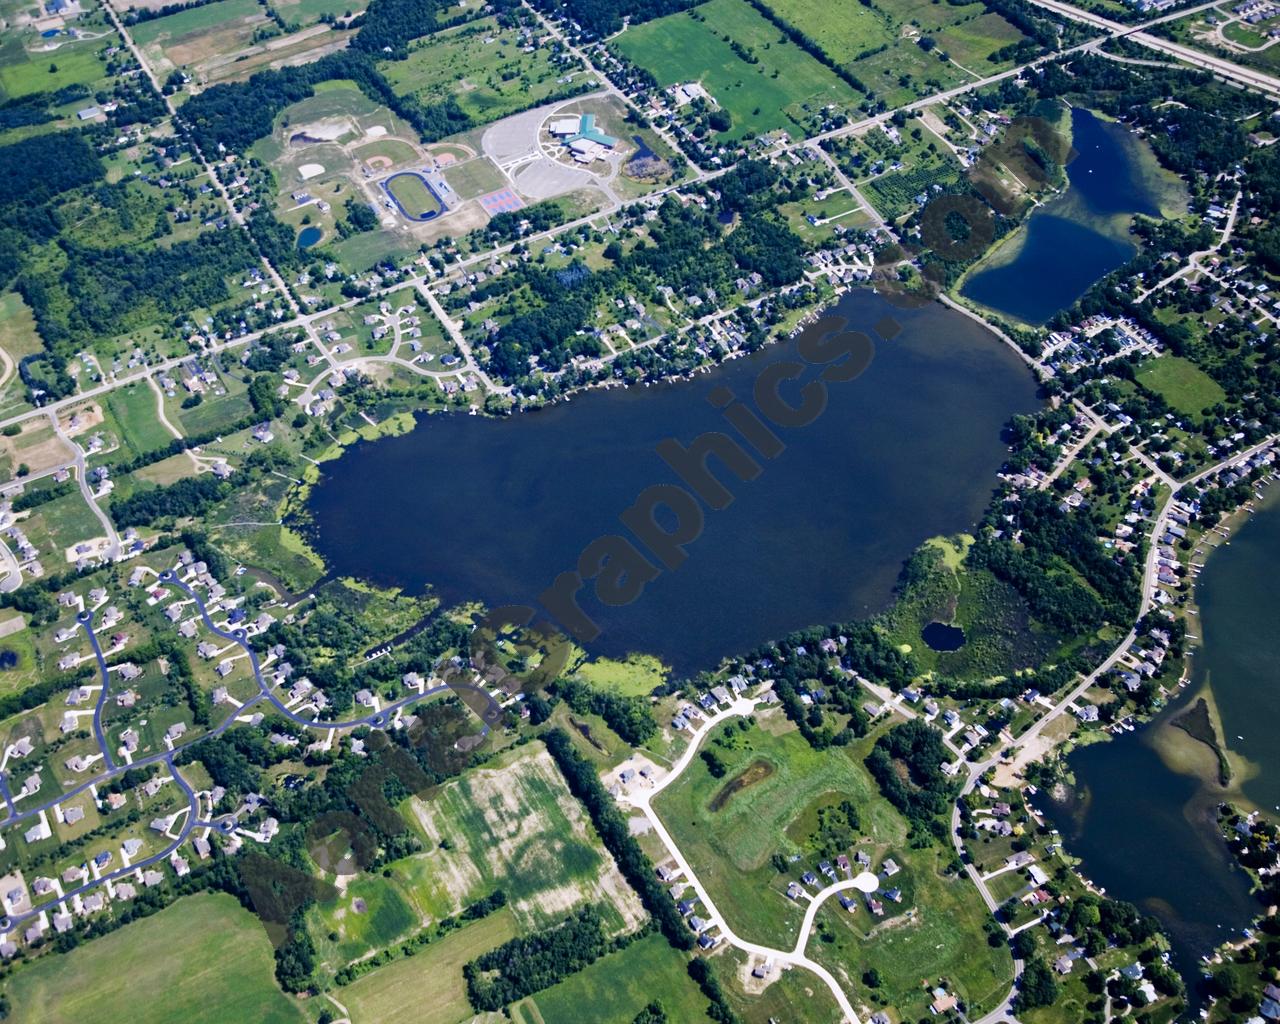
point(235, 38)
point(922, 47)
point(427, 988)
point(618, 986)
point(1181, 383)
point(513, 826)
point(858, 30)
point(778, 91)
point(177, 965)
point(484, 67)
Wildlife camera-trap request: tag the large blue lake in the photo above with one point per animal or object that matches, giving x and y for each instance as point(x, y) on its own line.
point(495, 509)
point(1062, 252)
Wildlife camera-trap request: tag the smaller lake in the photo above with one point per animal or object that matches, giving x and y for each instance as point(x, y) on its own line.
point(309, 236)
point(1078, 237)
point(941, 637)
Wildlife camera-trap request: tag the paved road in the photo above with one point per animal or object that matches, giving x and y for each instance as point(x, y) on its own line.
point(642, 798)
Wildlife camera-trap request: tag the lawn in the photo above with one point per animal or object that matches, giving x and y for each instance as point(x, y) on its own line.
point(426, 988)
point(204, 960)
point(618, 986)
point(482, 66)
point(1181, 383)
point(937, 931)
point(134, 408)
point(636, 676)
point(776, 92)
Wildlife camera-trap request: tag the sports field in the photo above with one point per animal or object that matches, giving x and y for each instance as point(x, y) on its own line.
point(481, 65)
point(776, 92)
point(416, 199)
point(387, 149)
point(205, 960)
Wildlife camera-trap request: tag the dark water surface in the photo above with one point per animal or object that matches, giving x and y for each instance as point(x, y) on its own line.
point(942, 637)
point(1147, 833)
point(495, 509)
point(1061, 254)
point(309, 236)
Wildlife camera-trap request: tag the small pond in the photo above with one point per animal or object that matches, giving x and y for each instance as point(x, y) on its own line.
point(942, 637)
point(309, 236)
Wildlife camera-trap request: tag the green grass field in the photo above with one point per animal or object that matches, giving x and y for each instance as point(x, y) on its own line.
point(1181, 383)
point(730, 848)
point(475, 177)
point(134, 408)
point(417, 201)
point(204, 960)
point(636, 676)
point(24, 72)
point(776, 92)
point(617, 987)
point(388, 149)
point(936, 933)
point(843, 39)
point(427, 988)
point(479, 64)
point(193, 21)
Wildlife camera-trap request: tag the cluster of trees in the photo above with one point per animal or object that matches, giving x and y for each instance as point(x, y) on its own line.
point(529, 964)
point(630, 717)
point(798, 665)
point(719, 1010)
point(690, 254)
point(907, 762)
point(192, 496)
point(612, 828)
point(1068, 579)
point(605, 17)
point(100, 291)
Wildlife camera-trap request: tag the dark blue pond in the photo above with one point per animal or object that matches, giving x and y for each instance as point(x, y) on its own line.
point(309, 236)
point(941, 637)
